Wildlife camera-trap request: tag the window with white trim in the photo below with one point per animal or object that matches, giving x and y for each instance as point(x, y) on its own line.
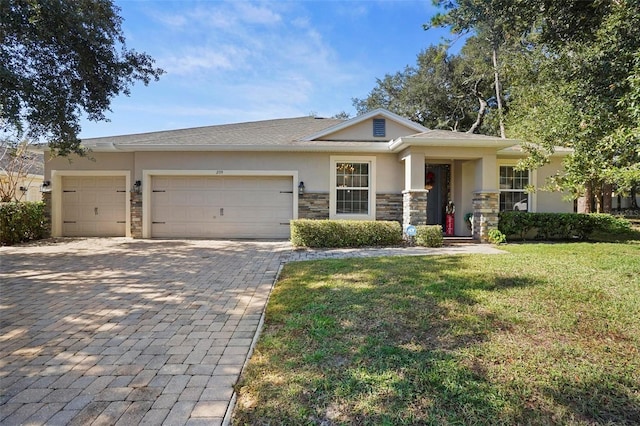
point(352, 193)
point(513, 185)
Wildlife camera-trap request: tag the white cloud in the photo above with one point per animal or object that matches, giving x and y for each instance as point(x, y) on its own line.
point(198, 60)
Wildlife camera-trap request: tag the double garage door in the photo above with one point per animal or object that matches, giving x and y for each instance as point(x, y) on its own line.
point(221, 206)
point(182, 206)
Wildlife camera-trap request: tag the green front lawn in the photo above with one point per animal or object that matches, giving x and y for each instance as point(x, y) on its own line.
point(546, 334)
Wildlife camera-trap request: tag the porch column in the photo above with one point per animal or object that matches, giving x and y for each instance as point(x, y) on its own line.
point(414, 207)
point(136, 215)
point(486, 207)
point(414, 196)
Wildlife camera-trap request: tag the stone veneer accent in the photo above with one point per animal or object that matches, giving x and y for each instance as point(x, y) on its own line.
point(313, 205)
point(46, 198)
point(486, 207)
point(136, 215)
point(389, 207)
point(414, 207)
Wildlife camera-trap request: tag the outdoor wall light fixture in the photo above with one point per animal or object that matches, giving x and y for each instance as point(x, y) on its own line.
point(137, 187)
point(301, 188)
point(46, 186)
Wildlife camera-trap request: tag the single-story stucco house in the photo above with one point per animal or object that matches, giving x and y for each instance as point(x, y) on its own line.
point(248, 180)
point(26, 177)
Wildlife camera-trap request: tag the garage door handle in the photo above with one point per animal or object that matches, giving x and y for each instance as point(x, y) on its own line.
point(221, 211)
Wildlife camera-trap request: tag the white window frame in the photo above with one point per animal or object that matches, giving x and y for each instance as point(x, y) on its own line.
point(334, 160)
point(531, 197)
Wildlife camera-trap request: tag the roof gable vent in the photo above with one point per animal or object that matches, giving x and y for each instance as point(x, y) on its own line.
point(379, 127)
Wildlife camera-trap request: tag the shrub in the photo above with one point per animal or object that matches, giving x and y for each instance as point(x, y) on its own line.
point(344, 233)
point(21, 222)
point(497, 237)
point(429, 235)
point(547, 226)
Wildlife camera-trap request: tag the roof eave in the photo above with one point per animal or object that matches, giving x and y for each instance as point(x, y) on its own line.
point(379, 147)
point(402, 143)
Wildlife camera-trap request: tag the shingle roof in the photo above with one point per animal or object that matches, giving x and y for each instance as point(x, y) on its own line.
point(33, 161)
point(268, 132)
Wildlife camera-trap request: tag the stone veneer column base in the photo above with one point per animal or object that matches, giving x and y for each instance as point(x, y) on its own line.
point(46, 199)
point(485, 214)
point(414, 207)
point(136, 215)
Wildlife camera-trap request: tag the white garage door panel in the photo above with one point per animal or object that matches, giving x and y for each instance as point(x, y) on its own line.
point(221, 206)
point(93, 206)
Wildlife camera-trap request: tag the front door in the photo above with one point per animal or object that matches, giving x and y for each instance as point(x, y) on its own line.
point(437, 181)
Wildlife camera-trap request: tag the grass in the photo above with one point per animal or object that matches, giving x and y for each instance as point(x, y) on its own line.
point(546, 334)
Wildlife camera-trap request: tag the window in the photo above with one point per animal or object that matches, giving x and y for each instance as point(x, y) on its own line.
point(352, 194)
point(379, 127)
point(513, 184)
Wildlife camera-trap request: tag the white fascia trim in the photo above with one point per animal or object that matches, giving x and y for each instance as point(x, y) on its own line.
point(372, 187)
point(377, 147)
point(518, 151)
point(56, 195)
point(147, 175)
point(400, 143)
point(359, 119)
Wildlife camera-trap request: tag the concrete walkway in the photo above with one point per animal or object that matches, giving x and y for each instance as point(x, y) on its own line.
point(120, 331)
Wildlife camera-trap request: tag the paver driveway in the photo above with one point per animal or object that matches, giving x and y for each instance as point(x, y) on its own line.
point(120, 331)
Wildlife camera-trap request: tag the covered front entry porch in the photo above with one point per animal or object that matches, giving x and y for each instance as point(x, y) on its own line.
point(462, 171)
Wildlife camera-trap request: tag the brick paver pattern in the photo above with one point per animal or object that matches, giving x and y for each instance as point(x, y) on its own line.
point(104, 331)
point(120, 331)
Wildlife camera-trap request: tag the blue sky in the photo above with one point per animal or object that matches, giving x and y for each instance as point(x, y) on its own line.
point(236, 61)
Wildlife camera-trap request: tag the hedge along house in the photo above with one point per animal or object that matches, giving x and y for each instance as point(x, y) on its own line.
point(248, 180)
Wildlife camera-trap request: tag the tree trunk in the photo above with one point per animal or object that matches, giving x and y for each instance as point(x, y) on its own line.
point(481, 111)
point(634, 201)
point(496, 76)
point(607, 189)
point(588, 197)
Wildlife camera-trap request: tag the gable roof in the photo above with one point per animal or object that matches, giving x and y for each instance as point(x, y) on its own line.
point(364, 117)
point(291, 134)
point(267, 132)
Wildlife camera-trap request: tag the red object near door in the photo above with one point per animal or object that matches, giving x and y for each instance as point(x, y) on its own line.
point(449, 225)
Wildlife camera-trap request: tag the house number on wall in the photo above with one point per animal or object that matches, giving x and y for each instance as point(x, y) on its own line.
point(219, 172)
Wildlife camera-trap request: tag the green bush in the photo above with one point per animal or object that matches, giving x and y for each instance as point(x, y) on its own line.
point(497, 237)
point(429, 235)
point(21, 222)
point(344, 233)
point(549, 226)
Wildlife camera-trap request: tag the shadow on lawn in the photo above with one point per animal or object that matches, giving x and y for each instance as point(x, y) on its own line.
point(381, 342)
point(415, 341)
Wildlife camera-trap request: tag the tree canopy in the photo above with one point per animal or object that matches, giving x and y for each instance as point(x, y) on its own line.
point(59, 60)
point(552, 74)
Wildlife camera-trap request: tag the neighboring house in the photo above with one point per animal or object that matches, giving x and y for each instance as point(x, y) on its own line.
point(248, 180)
point(28, 182)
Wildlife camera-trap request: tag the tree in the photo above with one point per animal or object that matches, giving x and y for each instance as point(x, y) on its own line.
point(60, 59)
point(441, 91)
point(567, 91)
point(494, 21)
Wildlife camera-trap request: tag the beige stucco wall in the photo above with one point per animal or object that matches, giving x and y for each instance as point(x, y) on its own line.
point(313, 168)
point(93, 161)
point(547, 201)
point(32, 183)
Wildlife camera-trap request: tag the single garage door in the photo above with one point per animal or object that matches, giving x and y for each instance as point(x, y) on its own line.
point(221, 206)
point(94, 206)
